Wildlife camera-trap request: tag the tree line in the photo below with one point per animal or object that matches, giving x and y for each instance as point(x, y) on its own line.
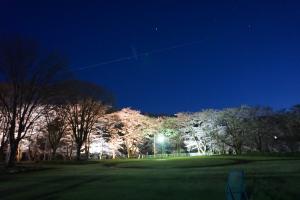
point(45, 114)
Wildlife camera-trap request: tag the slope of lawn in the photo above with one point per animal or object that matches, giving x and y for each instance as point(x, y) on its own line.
point(176, 178)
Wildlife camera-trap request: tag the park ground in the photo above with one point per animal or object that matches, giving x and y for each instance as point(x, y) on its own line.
point(173, 178)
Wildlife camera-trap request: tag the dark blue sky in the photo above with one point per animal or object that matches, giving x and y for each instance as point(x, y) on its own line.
point(238, 52)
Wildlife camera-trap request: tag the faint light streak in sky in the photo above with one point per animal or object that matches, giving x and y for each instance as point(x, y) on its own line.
point(136, 55)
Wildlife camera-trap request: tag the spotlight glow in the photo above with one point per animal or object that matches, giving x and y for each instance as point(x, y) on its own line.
point(161, 138)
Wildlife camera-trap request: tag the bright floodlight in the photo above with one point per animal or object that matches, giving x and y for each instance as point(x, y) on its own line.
point(161, 139)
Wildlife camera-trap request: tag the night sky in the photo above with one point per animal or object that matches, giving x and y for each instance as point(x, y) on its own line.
point(170, 56)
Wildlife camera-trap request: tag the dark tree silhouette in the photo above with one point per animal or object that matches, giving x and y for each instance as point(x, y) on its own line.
point(289, 126)
point(56, 127)
point(26, 77)
point(85, 104)
point(3, 134)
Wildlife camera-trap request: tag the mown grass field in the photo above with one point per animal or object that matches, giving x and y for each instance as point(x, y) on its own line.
point(176, 179)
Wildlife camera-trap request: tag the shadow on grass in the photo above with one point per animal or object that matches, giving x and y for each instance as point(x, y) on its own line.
point(63, 184)
point(231, 162)
point(119, 165)
point(270, 187)
point(236, 162)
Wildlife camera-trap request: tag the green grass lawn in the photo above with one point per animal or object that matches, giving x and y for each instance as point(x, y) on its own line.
point(177, 178)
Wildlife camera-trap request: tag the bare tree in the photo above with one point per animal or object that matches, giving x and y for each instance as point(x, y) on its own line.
point(234, 120)
point(56, 128)
point(260, 125)
point(24, 88)
point(3, 135)
point(86, 104)
point(288, 123)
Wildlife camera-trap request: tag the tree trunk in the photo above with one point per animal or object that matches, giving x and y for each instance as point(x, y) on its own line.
point(11, 162)
point(128, 153)
point(3, 147)
point(45, 152)
point(198, 147)
point(87, 151)
point(53, 154)
point(178, 146)
point(101, 151)
point(2, 154)
point(19, 154)
point(71, 150)
point(78, 148)
point(67, 153)
point(259, 145)
point(128, 149)
point(29, 153)
point(238, 150)
point(113, 154)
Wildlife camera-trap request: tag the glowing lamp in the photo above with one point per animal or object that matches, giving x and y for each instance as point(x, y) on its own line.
point(161, 139)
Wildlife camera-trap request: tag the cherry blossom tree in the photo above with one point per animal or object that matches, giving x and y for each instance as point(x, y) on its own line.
point(198, 129)
point(112, 134)
point(134, 125)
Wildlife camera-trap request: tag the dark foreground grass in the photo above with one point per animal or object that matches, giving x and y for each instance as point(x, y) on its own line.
point(176, 179)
